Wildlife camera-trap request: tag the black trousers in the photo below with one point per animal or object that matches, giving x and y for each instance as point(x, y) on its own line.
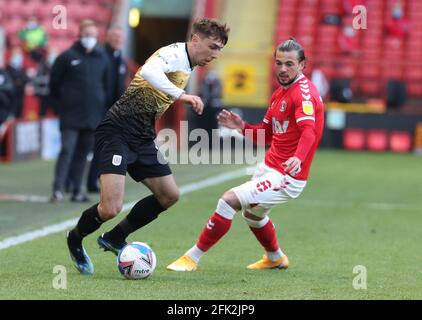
point(76, 144)
point(92, 178)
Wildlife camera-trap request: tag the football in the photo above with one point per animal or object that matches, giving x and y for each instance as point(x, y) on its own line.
point(136, 261)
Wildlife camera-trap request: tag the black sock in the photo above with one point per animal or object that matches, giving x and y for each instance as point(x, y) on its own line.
point(142, 213)
point(89, 222)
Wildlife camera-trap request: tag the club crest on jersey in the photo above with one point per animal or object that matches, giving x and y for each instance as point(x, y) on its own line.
point(117, 160)
point(307, 107)
point(283, 106)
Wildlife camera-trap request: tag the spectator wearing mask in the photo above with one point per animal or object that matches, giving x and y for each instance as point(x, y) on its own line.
point(79, 85)
point(117, 86)
point(16, 70)
point(34, 38)
point(398, 25)
point(348, 41)
point(6, 93)
point(41, 82)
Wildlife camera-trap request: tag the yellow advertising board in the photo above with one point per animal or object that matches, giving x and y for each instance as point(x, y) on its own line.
point(240, 79)
point(245, 80)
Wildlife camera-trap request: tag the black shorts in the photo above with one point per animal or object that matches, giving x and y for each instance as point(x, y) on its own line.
point(116, 156)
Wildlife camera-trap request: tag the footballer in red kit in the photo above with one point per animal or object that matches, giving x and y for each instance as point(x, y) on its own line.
point(294, 122)
point(293, 126)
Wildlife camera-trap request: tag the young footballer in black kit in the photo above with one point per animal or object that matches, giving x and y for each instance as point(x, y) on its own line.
point(124, 141)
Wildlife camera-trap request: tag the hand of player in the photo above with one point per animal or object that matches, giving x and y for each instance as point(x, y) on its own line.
point(195, 101)
point(293, 166)
point(230, 120)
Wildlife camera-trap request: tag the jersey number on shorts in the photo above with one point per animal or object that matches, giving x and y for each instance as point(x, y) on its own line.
point(263, 185)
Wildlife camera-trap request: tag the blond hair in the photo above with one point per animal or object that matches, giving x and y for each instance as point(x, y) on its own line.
point(85, 24)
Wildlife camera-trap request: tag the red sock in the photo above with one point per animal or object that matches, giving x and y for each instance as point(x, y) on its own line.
point(267, 236)
point(215, 229)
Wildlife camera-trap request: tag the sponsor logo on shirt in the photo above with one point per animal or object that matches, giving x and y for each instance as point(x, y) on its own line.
point(75, 62)
point(307, 107)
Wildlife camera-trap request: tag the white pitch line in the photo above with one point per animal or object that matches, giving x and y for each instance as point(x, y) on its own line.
point(23, 198)
point(368, 205)
point(59, 227)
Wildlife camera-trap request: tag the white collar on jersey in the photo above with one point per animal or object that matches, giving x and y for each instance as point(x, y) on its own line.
point(296, 80)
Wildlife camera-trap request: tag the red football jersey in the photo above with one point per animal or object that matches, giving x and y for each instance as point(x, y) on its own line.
point(294, 124)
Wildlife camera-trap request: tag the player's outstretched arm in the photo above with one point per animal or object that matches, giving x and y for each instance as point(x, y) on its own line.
point(195, 101)
point(230, 120)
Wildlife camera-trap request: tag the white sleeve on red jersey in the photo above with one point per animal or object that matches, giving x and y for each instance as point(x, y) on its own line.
point(304, 102)
point(305, 105)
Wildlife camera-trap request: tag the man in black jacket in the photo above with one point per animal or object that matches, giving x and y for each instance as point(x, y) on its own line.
point(79, 84)
point(117, 86)
point(6, 93)
point(17, 71)
point(119, 70)
point(7, 90)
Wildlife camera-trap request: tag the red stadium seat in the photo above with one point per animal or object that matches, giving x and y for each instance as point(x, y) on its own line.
point(307, 43)
point(353, 139)
point(371, 43)
point(369, 70)
point(12, 9)
point(287, 3)
point(328, 70)
point(375, 34)
point(393, 55)
point(286, 9)
point(370, 87)
point(377, 140)
point(415, 6)
point(346, 72)
point(46, 11)
point(414, 88)
point(61, 45)
point(13, 26)
point(400, 141)
point(328, 31)
point(392, 43)
point(414, 73)
point(371, 55)
point(331, 7)
point(307, 12)
point(75, 10)
point(394, 71)
point(415, 35)
point(310, 3)
point(414, 54)
point(29, 9)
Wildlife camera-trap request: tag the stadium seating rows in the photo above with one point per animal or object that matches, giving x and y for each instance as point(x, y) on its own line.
point(376, 140)
point(14, 14)
point(381, 58)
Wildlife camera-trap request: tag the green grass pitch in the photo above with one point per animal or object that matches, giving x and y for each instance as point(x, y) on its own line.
point(358, 209)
